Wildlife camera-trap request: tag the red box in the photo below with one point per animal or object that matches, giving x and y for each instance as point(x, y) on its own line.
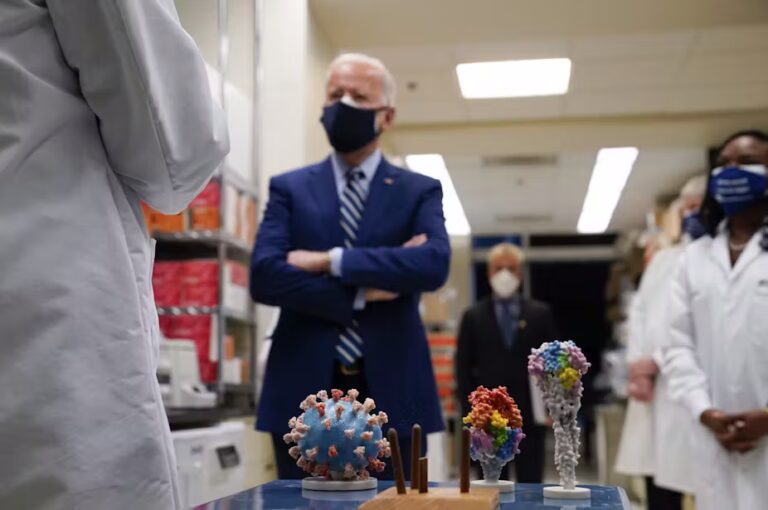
point(198, 328)
point(166, 325)
point(166, 283)
point(210, 196)
point(200, 283)
point(238, 274)
point(208, 371)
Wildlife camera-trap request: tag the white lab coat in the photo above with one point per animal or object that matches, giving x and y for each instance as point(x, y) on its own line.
point(718, 358)
point(655, 440)
point(102, 103)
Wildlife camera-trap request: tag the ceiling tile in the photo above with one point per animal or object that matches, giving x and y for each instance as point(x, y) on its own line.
point(667, 45)
point(418, 58)
point(720, 98)
point(429, 85)
point(727, 39)
point(629, 102)
point(511, 50)
point(633, 74)
point(428, 112)
point(515, 109)
point(725, 68)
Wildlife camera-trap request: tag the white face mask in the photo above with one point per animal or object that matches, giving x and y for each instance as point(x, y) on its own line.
point(505, 283)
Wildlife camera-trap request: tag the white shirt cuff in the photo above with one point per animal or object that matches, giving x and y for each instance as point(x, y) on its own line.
point(335, 255)
point(697, 402)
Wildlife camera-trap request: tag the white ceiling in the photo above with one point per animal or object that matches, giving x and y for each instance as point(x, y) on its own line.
point(548, 198)
point(672, 77)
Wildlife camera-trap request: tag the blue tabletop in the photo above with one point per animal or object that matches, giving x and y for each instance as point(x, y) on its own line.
point(288, 495)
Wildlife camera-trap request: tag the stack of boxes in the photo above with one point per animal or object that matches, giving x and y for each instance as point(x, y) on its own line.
point(195, 283)
point(204, 214)
point(193, 286)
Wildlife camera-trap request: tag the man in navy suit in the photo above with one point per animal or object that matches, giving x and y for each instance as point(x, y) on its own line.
point(345, 248)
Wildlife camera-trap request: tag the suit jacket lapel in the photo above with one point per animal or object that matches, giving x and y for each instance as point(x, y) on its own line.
point(323, 188)
point(381, 191)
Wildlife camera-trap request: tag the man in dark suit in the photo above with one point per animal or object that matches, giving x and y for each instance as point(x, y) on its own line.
point(345, 248)
point(495, 339)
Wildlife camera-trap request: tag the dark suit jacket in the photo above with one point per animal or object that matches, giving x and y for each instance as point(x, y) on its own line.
point(483, 359)
point(303, 213)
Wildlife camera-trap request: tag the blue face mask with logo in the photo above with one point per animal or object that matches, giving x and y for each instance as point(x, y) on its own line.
point(692, 226)
point(737, 187)
point(349, 128)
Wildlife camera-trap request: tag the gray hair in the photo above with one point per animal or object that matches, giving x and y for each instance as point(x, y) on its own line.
point(388, 86)
point(506, 249)
point(695, 187)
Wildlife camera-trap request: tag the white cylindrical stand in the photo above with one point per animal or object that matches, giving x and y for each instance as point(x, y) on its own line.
point(322, 484)
point(502, 485)
point(559, 492)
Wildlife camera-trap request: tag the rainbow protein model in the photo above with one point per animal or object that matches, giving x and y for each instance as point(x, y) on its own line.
point(337, 441)
point(558, 368)
point(496, 429)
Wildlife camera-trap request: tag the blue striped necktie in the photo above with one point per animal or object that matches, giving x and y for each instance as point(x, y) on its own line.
point(350, 346)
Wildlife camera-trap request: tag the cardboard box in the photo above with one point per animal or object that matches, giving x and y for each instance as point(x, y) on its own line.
point(205, 208)
point(166, 283)
point(229, 347)
point(200, 283)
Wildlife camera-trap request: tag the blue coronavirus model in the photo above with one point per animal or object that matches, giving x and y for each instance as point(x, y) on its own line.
point(338, 438)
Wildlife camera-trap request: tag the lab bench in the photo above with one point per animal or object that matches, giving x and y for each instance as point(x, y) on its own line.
point(288, 494)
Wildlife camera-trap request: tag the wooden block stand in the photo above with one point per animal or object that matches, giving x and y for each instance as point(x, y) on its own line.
point(435, 499)
point(420, 496)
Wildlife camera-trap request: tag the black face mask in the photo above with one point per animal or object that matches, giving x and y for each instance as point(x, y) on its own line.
point(349, 128)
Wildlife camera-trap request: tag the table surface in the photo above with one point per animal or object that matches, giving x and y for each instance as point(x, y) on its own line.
point(287, 494)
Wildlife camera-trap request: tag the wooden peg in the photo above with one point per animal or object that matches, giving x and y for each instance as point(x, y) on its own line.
point(397, 461)
point(423, 475)
point(464, 468)
point(415, 454)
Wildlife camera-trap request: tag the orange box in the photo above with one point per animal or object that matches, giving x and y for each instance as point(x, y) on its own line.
point(205, 208)
point(250, 218)
point(149, 217)
point(229, 347)
point(170, 223)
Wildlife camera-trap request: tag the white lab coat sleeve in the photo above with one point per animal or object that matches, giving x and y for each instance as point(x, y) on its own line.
point(635, 323)
point(144, 78)
point(688, 383)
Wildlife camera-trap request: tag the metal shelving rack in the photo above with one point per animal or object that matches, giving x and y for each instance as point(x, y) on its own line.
point(228, 247)
point(233, 399)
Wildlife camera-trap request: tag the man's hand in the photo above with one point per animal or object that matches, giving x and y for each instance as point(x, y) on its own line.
point(726, 431)
point(641, 388)
point(752, 425)
point(643, 367)
point(310, 261)
point(373, 295)
point(416, 241)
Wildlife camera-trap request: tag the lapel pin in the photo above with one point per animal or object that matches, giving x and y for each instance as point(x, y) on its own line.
point(522, 323)
point(389, 181)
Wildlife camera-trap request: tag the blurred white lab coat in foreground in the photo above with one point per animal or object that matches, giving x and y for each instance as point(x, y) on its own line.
point(656, 437)
point(102, 104)
point(718, 358)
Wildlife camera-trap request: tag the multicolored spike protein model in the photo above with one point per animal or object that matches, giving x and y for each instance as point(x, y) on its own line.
point(495, 428)
point(337, 438)
point(558, 368)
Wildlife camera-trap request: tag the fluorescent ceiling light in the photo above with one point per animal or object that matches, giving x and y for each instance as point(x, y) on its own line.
point(514, 78)
point(433, 165)
point(612, 169)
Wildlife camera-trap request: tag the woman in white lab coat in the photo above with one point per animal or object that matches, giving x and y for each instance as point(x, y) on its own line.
point(102, 104)
point(717, 361)
point(655, 439)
